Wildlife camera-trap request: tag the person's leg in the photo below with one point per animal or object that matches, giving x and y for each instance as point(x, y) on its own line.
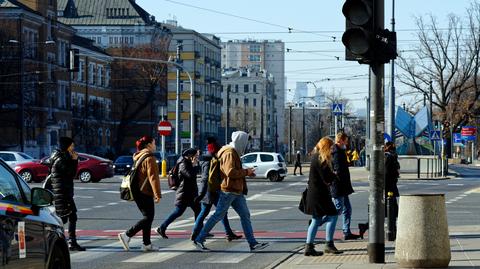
point(340, 206)
point(239, 204)
point(141, 201)
point(149, 214)
point(347, 215)
point(312, 230)
point(223, 204)
point(200, 219)
point(331, 222)
point(300, 167)
point(295, 169)
point(177, 212)
point(196, 208)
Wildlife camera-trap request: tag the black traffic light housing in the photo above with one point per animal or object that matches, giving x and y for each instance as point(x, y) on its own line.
point(364, 42)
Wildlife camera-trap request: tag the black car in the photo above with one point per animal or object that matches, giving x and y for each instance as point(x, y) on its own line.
point(31, 235)
point(123, 164)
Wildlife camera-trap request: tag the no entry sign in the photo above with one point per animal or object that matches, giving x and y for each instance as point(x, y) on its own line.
point(164, 128)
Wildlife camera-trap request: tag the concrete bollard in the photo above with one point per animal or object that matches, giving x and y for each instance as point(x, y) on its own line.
point(422, 232)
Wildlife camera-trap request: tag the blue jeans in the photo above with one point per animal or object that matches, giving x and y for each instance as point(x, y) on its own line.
point(177, 212)
point(331, 222)
point(201, 217)
point(343, 205)
point(239, 204)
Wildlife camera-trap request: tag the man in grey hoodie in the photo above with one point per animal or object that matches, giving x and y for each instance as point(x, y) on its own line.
point(233, 191)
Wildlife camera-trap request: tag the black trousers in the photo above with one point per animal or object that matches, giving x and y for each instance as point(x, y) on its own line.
point(147, 207)
point(72, 225)
point(297, 164)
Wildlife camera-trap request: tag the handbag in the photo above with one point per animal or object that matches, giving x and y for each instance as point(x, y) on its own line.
point(303, 201)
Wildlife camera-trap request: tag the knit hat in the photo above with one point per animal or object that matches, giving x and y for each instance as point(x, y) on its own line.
point(189, 152)
point(65, 142)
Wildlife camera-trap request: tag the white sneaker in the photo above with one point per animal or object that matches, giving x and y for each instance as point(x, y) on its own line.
point(148, 248)
point(124, 239)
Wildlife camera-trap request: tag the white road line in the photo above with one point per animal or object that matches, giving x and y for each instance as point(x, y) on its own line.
point(234, 254)
point(112, 203)
point(84, 197)
point(163, 254)
point(93, 253)
point(287, 207)
point(84, 209)
point(113, 192)
point(99, 206)
point(455, 184)
point(275, 198)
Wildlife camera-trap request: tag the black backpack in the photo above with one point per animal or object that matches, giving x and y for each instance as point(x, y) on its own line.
point(173, 178)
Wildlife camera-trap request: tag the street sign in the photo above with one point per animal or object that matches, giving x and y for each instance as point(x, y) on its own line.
point(164, 128)
point(337, 109)
point(435, 135)
point(457, 139)
point(469, 133)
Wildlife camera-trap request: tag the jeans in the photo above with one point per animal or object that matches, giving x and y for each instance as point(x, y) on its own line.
point(201, 217)
point(342, 203)
point(239, 204)
point(147, 206)
point(331, 222)
point(177, 212)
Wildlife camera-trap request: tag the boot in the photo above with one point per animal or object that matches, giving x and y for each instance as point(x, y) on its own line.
point(74, 246)
point(331, 249)
point(362, 228)
point(310, 250)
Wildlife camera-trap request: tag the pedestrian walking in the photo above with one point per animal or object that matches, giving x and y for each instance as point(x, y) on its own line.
point(210, 191)
point(298, 164)
point(233, 191)
point(319, 202)
point(146, 192)
point(63, 164)
point(187, 191)
point(342, 188)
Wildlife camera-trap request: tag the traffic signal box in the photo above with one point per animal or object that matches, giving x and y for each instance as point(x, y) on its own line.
point(364, 42)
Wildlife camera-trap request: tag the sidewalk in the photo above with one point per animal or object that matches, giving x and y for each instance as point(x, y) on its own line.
point(464, 246)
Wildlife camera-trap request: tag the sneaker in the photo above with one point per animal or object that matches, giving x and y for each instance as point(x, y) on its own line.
point(74, 246)
point(258, 246)
point(200, 246)
point(351, 237)
point(148, 248)
point(161, 232)
point(124, 239)
point(233, 236)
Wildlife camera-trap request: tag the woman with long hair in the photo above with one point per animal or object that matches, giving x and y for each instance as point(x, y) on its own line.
point(146, 192)
point(319, 202)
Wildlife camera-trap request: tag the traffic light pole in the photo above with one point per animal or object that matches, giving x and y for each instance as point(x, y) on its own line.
point(376, 237)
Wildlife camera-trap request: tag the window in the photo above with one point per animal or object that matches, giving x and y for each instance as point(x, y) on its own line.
point(100, 75)
point(236, 101)
point(245, 101)
point(131, 39)
point(255, 48)
point(254, 58)
point(8, 186)
point(236, 88)
point(266, 158)
point(249, 158)
point(254, 87)
point(99, 40)
point(254, 102)
point(80, 71)
point(100, 137)
point(245, 88)
point(62, 96)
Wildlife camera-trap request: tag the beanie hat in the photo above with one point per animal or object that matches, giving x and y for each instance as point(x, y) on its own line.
point(189, 152)
point(65, 142)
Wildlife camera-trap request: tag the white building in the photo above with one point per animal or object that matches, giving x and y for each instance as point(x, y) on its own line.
point(261, 55)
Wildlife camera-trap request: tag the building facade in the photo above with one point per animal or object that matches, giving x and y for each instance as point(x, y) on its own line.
point(263, 55)
point(35, 78)
point(248, 95)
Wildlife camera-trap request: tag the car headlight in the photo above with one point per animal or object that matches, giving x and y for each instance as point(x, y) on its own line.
point(128, 166)
point(113, 166)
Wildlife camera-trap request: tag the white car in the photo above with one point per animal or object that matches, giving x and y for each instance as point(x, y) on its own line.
point(12, 158)
point(269, 165)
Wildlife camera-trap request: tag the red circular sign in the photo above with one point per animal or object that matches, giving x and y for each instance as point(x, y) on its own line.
point(164, 128)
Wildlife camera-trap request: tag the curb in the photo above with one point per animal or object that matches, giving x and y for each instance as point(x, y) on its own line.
point(284, 259)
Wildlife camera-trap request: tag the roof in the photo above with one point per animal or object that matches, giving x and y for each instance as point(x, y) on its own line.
point(94, 12)
point(16, 4)
point(87, 44)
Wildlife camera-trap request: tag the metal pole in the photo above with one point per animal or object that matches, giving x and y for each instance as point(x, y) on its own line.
point(228, 115)
point(192, 114)
point(245, 114)
point(391, 100)
point(22, 95)
point(335, 124)
point(290, 133)
point(376, 238)
point(261, 125)
point(304, 131)
point(367, 119)
point(86, 135)
point(177, 100)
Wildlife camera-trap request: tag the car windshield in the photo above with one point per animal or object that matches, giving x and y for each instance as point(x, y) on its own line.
point(25, 156)
point(124, 159)
point(280, 158)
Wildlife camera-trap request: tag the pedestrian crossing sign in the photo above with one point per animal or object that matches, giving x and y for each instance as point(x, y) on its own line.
point(435, 135)
point(337, 109)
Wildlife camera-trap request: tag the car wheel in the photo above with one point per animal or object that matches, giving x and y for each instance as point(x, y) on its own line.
point(58, 260)
point(281, 179)
point(85, 176)
point(27, 175)
point(273, 176)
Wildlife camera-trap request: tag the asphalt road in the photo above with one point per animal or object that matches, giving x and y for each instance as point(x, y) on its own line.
point(275, 219)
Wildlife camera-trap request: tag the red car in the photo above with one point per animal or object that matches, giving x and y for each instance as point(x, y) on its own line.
point(90, 168)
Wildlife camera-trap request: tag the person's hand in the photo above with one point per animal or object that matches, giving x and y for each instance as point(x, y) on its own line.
point(250, 172)
point(157, 200)
point(74, 155)
point(197, 199)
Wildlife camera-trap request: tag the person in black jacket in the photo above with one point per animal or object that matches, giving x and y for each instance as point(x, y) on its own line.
point(341, 189)
point(208, 196)
point(187, 191)
point(392, 172)
point(319, 200)
point(298, 164)
point(63, 168)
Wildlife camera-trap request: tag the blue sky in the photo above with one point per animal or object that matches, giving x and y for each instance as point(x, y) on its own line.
point(313, 50)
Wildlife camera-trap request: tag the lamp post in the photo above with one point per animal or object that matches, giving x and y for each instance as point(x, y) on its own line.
point(177, 99)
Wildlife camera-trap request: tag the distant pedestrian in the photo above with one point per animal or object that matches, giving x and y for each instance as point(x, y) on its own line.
point(298, 163)
point(63, 167)
point(233, 191)
point(210, 190)
point(392, 172)
point(187, 191)
point(319, 202)
point(342, 188)
point(146, 192)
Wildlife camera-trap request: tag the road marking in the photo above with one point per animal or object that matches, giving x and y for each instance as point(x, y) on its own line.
point(99, 206)
point(93, 253)
point(112, 203)
point(163, 254)
point(84, 209)
point(275, 198)
point(455, 184)
point(113, 192)
point(87, 188)
point(83, 197)
point(234, 254)
point(476, 190)
point(286, 208)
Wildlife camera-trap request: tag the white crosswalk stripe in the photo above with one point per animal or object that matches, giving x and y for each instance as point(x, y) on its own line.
point(163, 254)
point(235, 254)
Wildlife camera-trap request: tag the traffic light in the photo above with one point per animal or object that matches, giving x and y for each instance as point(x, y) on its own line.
point(363, 40)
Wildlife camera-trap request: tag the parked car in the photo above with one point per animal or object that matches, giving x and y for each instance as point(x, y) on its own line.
point(123, 164)
point(90, 168)
point(12, 158)
point(31, 235)
point(269, 165)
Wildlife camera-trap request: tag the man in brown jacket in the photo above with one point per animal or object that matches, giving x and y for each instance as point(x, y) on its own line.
point(146, 190)
point(233, 191)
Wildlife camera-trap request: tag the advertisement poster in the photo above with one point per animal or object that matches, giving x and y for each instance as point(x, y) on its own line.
point(22, 246)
